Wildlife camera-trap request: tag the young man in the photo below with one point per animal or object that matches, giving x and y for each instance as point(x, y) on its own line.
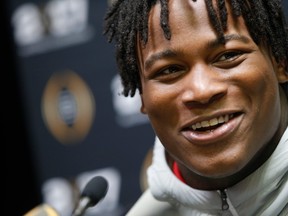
point(213, 80)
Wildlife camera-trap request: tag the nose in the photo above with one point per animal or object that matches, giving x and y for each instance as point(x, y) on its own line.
point(203, 85)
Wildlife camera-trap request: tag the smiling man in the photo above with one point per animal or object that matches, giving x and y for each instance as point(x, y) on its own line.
point(212, 76)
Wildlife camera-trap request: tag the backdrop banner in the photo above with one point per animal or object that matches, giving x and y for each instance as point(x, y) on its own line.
point(78, 123)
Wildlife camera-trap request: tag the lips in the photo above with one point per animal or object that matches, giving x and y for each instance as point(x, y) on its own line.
point(214, 129)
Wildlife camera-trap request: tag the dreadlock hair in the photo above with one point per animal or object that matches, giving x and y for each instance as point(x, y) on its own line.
point(127, 20)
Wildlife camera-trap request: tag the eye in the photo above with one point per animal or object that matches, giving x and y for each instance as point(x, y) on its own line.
point(229, 56)
point(169, 73)
point(170, 70)
point(230, 59)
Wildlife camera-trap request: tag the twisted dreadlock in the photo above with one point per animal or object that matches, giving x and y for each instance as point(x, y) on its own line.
point(128, 19)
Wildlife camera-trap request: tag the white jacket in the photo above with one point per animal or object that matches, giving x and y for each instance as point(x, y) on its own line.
point(263, 193)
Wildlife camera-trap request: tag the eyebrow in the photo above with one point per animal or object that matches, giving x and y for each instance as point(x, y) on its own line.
point(210, 45)
point(153, 58)
point(218, 41)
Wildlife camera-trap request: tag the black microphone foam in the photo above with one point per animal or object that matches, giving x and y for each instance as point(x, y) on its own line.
point(95, 189)
point(93, 192)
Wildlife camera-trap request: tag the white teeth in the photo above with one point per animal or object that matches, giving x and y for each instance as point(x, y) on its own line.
point(205, 124)
point(212, 122)
point(221, 119)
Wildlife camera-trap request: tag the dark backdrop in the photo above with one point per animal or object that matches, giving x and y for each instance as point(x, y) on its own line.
point(117, 138)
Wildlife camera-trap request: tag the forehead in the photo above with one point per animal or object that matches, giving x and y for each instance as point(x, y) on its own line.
point(188, 20)
point(181, 14)
point(186, 14)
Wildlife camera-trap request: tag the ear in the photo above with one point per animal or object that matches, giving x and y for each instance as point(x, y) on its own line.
point(282, 72)
point(142, 108)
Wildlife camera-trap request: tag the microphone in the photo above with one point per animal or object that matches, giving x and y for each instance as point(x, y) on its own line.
point(94, 191)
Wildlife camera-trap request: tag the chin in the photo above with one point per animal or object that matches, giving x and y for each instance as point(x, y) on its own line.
point(219, 173)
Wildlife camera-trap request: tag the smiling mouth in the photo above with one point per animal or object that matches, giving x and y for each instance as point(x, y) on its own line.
point(212, 124)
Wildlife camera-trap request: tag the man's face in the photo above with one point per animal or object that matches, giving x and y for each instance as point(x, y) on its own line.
point(213, 106)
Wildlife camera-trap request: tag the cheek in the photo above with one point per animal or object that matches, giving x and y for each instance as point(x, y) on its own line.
point(160, 104)
point(259, 91)
point(258, 82)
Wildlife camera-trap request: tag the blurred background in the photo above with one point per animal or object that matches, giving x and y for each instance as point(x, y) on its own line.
point(65, 121)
